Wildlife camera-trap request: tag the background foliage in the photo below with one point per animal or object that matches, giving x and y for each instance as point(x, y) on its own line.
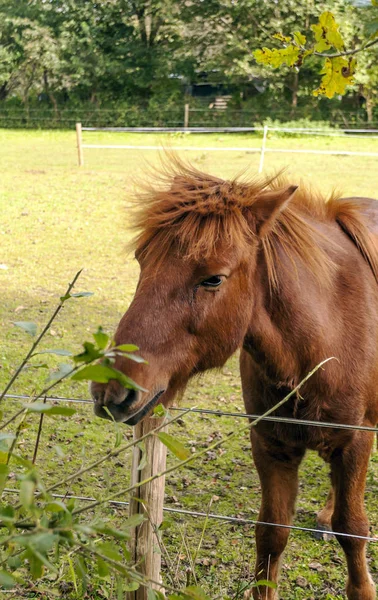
point(139, 56)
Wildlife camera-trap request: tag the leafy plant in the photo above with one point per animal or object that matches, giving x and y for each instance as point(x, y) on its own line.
point(339, 66)
point(40, 533)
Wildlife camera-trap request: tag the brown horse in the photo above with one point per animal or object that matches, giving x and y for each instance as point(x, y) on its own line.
point(290, 279)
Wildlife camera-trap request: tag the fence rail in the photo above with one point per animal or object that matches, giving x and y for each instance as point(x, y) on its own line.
point(263, 149)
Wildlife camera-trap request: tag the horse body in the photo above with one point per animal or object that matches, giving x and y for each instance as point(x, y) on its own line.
point(288, 333)
point(291, 281)
point(294, 327)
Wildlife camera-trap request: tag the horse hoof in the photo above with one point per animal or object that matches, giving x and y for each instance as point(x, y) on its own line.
point(323, 533)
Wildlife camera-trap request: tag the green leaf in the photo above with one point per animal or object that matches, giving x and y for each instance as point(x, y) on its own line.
point(132, 587)
point(102, 568)
point(61, 372)
point(103, 374)
point(127, 348)
point(7, 514)
point(7, 581)
point(119, 437)
point(50, 409)
point(82, 295)
point(133, 521)
point(266, 583)
point(7, 436)
point(81, 568)
point(24, 462)
point(165, 524)
point(160, 411)
point(371, 28)
point(107, 530)
point(5, 439)
point(28, 326)
point(134, 357)
point(35, 564)
point(90, 354)
point(154, 595)
point(109, 550)
point(174, 445)
point(101, 338)
point(58, 352)
point(43, 541)
point(56, 506)
point(27, 488)
point(77, 295)
point(143, 458)
point(36, 366)
point(195, 592)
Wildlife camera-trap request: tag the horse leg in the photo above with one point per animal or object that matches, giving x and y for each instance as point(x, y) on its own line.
point(277, 467)
point(349, 467)
point(324, 517)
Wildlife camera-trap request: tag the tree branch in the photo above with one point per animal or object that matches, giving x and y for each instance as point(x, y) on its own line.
point(348, 52)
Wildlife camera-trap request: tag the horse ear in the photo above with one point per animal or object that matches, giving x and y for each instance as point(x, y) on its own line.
point(268, 207)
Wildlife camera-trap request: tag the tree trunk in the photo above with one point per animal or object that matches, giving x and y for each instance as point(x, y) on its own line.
point(294, 93)
point(369, 106)
point(49, 93)
point(4, 91)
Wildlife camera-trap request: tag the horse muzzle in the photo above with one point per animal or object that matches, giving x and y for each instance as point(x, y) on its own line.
point(122, 405)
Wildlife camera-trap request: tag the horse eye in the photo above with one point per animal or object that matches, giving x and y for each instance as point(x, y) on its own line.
point(212, 282)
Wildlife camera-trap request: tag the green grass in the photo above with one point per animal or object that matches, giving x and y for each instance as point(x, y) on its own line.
point(56, 219)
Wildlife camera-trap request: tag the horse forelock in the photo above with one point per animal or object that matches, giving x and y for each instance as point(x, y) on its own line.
point(193, 214)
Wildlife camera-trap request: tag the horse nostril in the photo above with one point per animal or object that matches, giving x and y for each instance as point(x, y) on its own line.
point(130, 397)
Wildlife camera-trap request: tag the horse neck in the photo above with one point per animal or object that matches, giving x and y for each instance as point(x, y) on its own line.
point(288, 328)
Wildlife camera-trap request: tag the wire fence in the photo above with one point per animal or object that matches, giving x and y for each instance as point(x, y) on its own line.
point(176, 115)
point(220, 517)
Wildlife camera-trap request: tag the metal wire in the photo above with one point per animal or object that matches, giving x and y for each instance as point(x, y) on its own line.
point(235, 520)
point(208, 411)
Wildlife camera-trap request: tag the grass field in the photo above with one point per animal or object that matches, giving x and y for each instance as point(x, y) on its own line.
point(56, 219)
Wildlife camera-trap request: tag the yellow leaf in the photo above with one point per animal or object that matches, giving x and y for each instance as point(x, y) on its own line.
point(281, 37)
point(263, 56)
point(327, 33)
point(299, 38)
point(275, 58)
point(290, 55)
point(337, 74)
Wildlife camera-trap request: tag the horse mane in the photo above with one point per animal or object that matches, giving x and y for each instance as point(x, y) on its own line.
point(193, 212)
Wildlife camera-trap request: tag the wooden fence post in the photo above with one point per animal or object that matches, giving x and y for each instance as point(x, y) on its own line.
point(144, 544)
point(263, 146)
point(186, 116)
point(79, 141)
